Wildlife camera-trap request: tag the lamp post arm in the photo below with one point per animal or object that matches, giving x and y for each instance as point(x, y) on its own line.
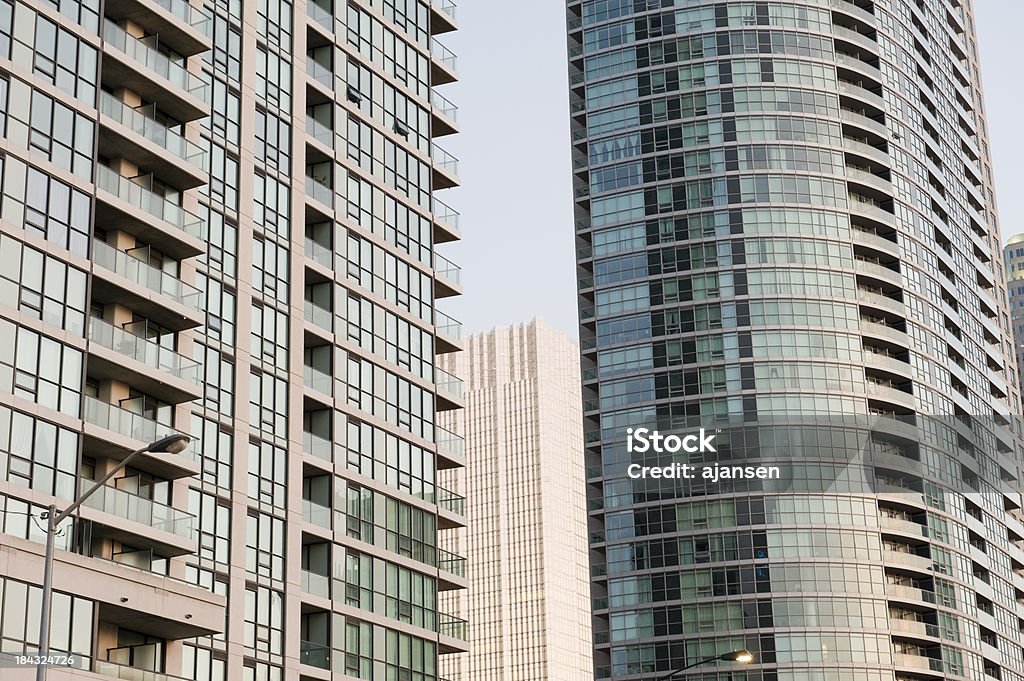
point(683, 669)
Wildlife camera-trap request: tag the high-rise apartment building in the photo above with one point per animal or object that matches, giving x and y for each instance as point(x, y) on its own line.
point(784, 209)
point(1013, 260)
point(221, 219)
point(528, 602)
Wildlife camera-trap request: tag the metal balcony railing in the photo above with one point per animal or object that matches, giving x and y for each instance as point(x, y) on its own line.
point(152, 130)
point(450, 501)
point(149, 202)
point(451, 562)
point(449, 625)
point(142, 350)
point(160, 64)
point(146, 275)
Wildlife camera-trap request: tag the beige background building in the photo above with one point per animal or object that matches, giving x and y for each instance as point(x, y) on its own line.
point(528, 604)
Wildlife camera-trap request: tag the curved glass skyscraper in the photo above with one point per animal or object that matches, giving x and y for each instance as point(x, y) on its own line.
point(785, 210)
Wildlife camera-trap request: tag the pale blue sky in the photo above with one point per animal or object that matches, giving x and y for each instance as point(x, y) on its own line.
point(514, 161)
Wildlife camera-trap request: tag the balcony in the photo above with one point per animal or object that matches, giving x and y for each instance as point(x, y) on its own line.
point(315, 514)
point(317, 380)
point(445, 167)
point(442, 16)
point(152, 293)
point(319, 316)
point(449, 390)
point(181, 25)
point(449, 626)
point(314, 654)
point(449, 333)
point(447, 277)
point(154, 369)
point(320, 254)
point(451, 509)
point(121, 671)
point(451, 449)
point(320, 132)
point(132, 64)
point(451, 571)
point(156, 526)
point(323, 16)
point(154, 604)
point(115, 432)
point(446, 222)
point(443, 64)
point(444, 115)
point(126, 132)
point(125, 205)
point(317, 446)
point(320, 73)
point(316, 584)
point(320, 192)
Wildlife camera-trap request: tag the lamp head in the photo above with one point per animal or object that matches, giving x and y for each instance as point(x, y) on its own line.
point(172, 444)
point(741, 656)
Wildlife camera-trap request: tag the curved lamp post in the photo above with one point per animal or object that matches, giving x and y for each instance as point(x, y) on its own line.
point(741, 656)
point(172, 444)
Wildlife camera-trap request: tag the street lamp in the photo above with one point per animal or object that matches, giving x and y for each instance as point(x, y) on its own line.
point(172, 444)
point(741, 656)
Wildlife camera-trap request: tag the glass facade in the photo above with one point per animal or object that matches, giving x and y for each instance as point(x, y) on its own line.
point(220, 218)
point(785, 209)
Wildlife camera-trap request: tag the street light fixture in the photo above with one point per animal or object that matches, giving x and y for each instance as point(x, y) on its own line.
point(171, 444)
point(741, 656)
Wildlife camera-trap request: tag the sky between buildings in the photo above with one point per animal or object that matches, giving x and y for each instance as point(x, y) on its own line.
point(517, 252)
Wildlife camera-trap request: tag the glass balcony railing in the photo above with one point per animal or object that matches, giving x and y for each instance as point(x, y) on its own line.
point(450, 442)
point(120, 671)
point(145, 275)
point(139, 509)
point(450, 501)
point(442, 159)
point(317, 380)
point(447, 326)
point(320, 73)
point(321, 15)
point(446, 6)
point(448, 383)
point(142, 350)
point(320, 191)
point(446, 214)
point(443, 55)
point(320, 447)
point(129, 424)
point(449, 625)
point(319, 316)
point(446, 269)
point(149, 202)
point(315, 514)
point(152, 130)
point(191, 15)
point(159, 63)
point(319, 253)
point(451, 563)
point(320, 132)
point(316, 584)
point(445, 107)
point(314, 654)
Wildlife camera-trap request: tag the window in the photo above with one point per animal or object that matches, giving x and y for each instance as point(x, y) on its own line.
point(273, 141)
point(213, 520)
point(40, 455)
point(60, 134)
point(273, 80)
point(268, 474)
point(44, 287)
point(63, 60)
point(214, 448)
point(264, 620)
point(55, 211)
point(268, 403)
point(274, 23)
point(45, 371)
point(264, 537)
